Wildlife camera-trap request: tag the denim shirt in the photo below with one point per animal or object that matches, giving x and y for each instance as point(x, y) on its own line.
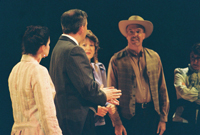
point(99, 72)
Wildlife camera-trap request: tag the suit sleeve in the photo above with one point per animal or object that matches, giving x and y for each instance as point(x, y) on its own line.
point(80, 73)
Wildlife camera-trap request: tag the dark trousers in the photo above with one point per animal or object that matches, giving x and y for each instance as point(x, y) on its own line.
point(107, 129)
point(145, 121)
point(89, 127)
point(70, 127)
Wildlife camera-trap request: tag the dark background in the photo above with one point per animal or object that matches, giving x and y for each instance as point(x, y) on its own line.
point(176, 28)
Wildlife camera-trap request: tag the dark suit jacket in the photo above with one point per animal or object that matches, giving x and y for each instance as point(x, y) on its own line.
point(76, 89)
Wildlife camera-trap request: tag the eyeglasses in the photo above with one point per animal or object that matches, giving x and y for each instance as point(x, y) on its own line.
point(193, 58)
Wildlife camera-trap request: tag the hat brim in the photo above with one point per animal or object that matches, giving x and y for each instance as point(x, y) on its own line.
point(147, 25)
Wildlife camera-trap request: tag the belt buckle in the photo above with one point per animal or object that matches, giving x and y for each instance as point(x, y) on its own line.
point(143, 105)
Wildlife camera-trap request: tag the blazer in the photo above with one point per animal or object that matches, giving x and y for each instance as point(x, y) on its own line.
point(76, 88)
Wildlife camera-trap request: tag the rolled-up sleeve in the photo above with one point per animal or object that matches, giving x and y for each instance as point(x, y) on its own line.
point(163, 94)
point(112, 81)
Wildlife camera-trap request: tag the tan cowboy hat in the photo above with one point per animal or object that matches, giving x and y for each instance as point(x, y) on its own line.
point(135, 19)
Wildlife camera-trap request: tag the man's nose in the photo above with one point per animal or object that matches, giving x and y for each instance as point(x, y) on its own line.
point(134, 33)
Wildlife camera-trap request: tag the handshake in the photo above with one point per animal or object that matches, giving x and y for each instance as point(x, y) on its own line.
point(112, 94)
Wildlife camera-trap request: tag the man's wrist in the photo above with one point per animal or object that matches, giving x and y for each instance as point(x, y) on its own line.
point(116, 121)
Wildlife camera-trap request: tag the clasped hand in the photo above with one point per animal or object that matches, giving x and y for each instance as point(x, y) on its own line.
point(102, 110)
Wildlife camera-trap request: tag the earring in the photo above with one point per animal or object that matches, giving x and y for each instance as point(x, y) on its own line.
point(44, 56)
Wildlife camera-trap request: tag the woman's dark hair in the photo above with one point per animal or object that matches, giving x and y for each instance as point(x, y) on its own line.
point(34, 37)
point(93, 38)
point(72, 20)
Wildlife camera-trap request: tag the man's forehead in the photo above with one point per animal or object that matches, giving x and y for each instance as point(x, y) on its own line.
point(134, 26)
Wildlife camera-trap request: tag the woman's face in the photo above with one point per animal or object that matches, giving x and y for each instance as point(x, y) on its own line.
point(88, 47)
point(47, 47)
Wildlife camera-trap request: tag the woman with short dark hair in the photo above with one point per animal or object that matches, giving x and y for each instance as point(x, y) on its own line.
point(31, 88)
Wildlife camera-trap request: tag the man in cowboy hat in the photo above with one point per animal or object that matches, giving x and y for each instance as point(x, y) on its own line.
point(137, 71)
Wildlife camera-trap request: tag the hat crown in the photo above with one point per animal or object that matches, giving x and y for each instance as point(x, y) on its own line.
point(136, 18)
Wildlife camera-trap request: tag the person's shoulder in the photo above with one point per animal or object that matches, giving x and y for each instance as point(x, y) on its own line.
point(16, 66)
point(150, 51)
point(76, 49)
point(39, 71)
point(69, 44)
point(118, 55)
point(181, 70)
point(64, 42)
point(65, 46)
point(40, 68)
point(15, 69)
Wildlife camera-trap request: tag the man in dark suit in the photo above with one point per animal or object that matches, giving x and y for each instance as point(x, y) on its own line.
point(77, 93)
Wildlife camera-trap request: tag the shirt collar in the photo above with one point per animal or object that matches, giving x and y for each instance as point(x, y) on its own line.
point(28, 58)
point(71, 38)
point(133, 53)
point(191, 69)
point(100, 65)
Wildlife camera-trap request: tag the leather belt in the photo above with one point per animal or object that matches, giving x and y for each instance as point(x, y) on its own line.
point(144, 105)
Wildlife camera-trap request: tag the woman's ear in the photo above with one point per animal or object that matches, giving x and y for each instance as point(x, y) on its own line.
point(41, 49)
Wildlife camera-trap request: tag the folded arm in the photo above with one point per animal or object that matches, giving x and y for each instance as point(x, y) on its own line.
point(190, 94)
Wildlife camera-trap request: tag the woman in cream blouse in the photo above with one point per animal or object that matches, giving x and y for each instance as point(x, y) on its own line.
point(31, 89)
